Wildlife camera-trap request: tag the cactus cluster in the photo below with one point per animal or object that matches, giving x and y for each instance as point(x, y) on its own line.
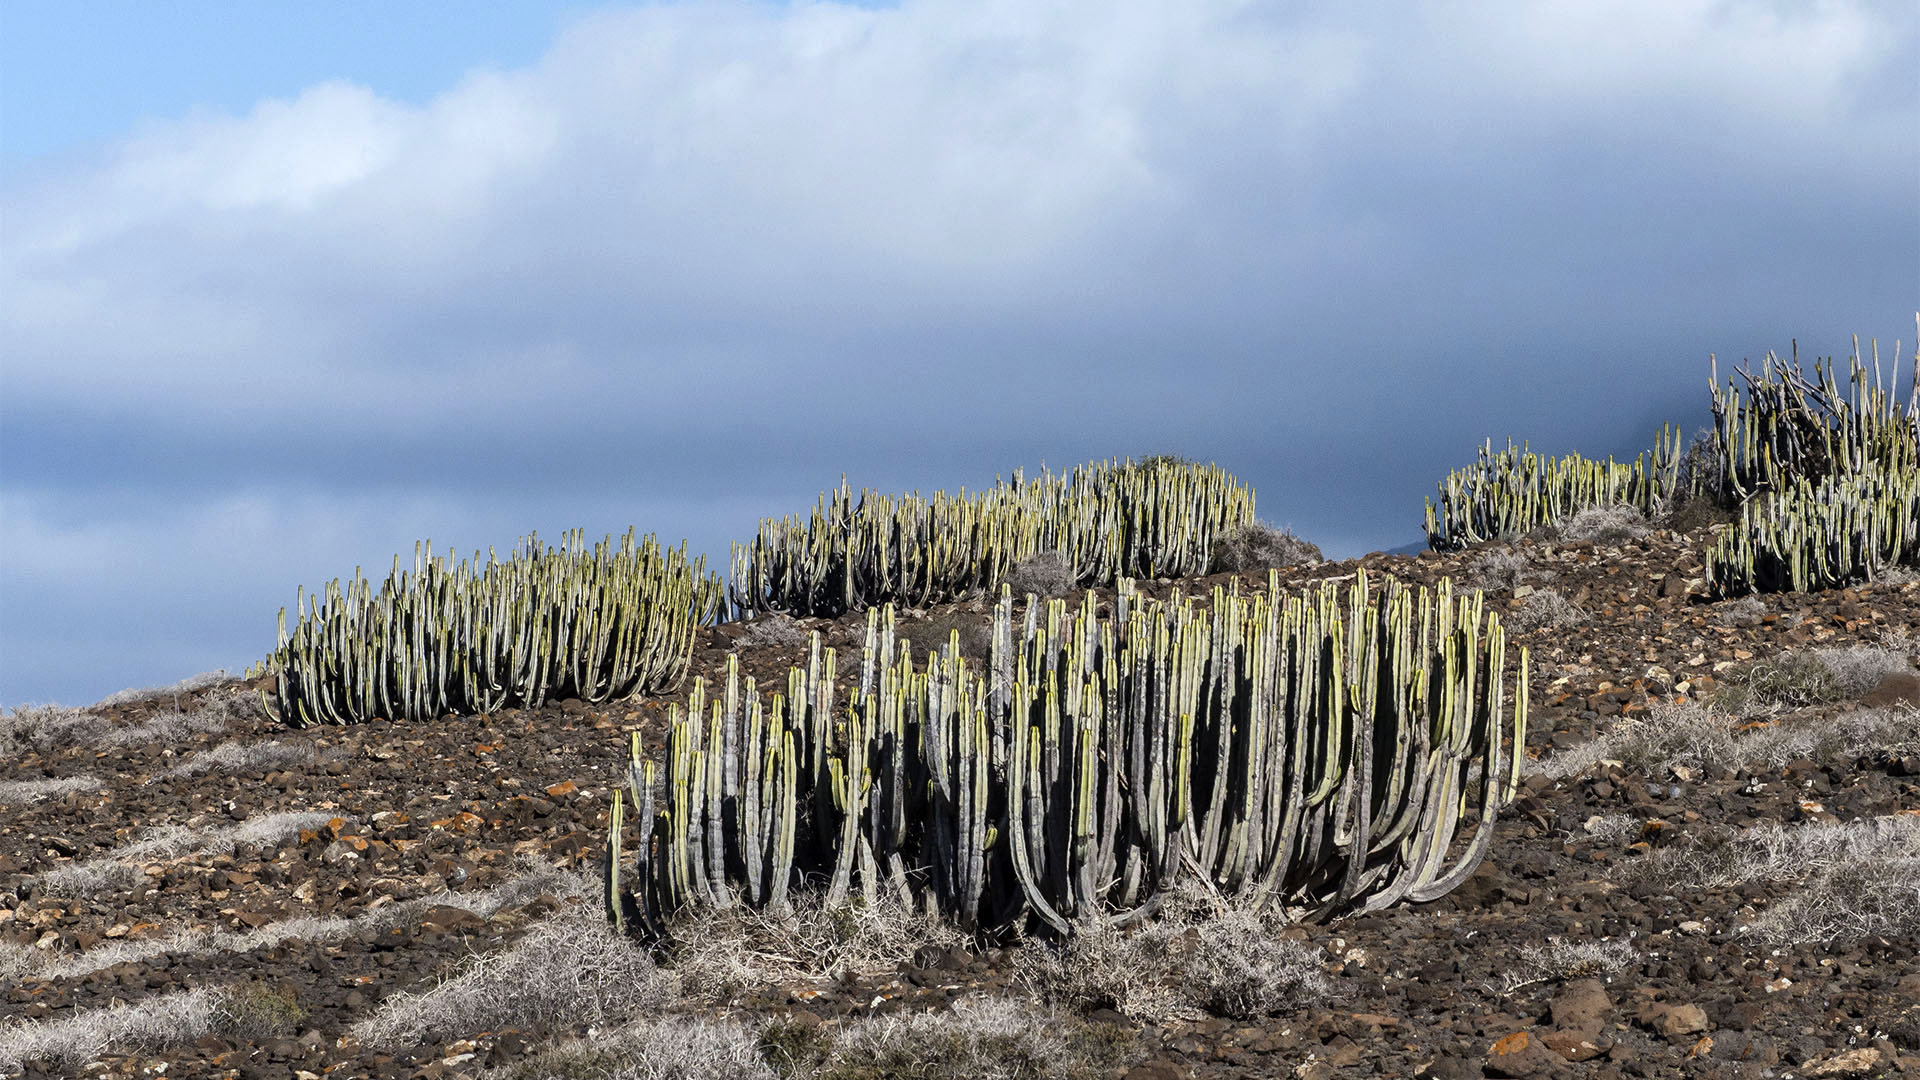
point(1511, 492)
point(1848, 527)
point(1155, 518)
point(1320, 750)
point(1827, 477)
point(467, 637)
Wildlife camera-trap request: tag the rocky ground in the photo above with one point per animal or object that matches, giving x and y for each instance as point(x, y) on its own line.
point(188, 889)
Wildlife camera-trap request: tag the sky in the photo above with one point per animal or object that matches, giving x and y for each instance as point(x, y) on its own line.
point(287, 288)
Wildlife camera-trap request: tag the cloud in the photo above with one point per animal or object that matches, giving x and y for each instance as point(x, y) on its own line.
point(729, 247)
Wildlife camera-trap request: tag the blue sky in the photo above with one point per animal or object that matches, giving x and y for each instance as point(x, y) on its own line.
point(285, 288)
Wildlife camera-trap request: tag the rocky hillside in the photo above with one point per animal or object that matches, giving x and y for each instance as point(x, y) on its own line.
point(1715, 871)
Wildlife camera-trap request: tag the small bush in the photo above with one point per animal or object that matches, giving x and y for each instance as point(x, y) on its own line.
point(1545, 608)
point(980, 1038)
point(774, 631)
point(564, 971)
point(674, 1047)
point(154, 1023)
point(1794, 680)
point(931, 635)
point(1855, 879)
point(258, 1011)
point(1746, 611)
point(1199, 955)
point(1260, 546)
point(1502, 570)
point(1603, 525)
point(1561, 961)
point(716, 953)
point(32, 791)
point(1043, 574)
point(1676, 737)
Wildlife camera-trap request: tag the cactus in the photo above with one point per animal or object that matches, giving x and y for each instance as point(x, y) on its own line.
point(470, 637)
point(1157, 518)
point(1514, 491)
point(1318, 750)
point(1827, 480)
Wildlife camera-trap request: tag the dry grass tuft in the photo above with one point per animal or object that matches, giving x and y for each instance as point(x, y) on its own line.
point(1261, 546)
point(248, 1011)
point(19, 962)
point(121, 869)
point(243, 757)
point(718, 953)
point(979, 1038)
point(1502, 570)
point(1804, 677)
point(1199, 956)
point(674, 1047)
point(1604, 525)
point(1746, 611)
point(1545, 608)
point(1560, 961)
point(1673, 739)
point(1854, 879)
point(17, 792)
point(1045, 573)
point(566, 971)
point(775, 631)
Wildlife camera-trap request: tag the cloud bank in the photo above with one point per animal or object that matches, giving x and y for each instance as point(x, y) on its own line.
point(702, 259)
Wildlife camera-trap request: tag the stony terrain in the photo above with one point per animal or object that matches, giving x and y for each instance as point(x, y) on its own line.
point(188, 889)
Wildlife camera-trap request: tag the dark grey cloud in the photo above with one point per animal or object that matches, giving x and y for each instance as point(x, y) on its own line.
point(701, 260)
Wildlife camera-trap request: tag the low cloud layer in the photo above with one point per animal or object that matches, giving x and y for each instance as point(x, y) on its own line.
point(702, 259)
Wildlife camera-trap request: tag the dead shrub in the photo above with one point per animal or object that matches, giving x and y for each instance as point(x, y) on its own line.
point(1854, 879)
point(1603, 524)
point(1502, 570)
point(716, 953)
point(1044, 573)
point(1260, 546)
point(1546, 608)
point(565, 971)
point(772, 631)
point(979, 1038)
point(1199, 955)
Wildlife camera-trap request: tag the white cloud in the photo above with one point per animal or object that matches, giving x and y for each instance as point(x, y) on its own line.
point(709, 236)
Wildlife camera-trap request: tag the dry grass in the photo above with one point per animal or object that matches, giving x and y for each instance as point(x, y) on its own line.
point(1559, 961)
point(1853, 879)
point(122, 869)
point(563, 972)
point(50, 728)
point(1673, 740)
point(20, 962)
point(1604, 525)
point(718, 953)
point(17, 792)
point(244, 757)
point(1045, 573)
point(775, 631)
point(189, 685)
point(1502, 570)
point(1199, 956)
point(248, 1011)
point(1261, 546)
point(979, 1038)
point(1546, 608)
point(676, 1047)
point(1805, 677)
point(1746, 611)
